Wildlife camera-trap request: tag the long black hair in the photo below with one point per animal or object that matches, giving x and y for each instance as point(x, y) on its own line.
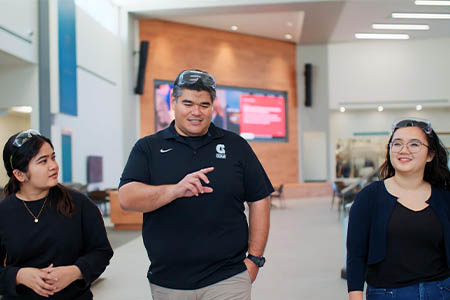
point(19, 158)
point(436, 171)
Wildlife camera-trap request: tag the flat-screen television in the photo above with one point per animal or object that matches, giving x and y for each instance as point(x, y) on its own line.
point(255, 114)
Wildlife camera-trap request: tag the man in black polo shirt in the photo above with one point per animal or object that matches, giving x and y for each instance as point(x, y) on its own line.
point(191, 181)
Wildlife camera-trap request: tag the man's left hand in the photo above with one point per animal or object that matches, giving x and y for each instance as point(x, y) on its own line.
point(252, 269)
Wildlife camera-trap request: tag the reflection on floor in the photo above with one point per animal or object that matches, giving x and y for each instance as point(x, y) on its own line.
point(304, 258)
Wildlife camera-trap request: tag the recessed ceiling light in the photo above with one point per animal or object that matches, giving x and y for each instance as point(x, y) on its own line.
point(22, 109)
point(419, 107)
point(342, 109)
point(432, 2)
point(381, 36)
point(288, 36)
point(289, 24)
point(380, 108)
point(401, 26)
point(420, 16)
point(234, 28)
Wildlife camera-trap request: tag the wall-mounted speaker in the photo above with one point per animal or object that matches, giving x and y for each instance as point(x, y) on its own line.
point(308, 85)
point(143, 52)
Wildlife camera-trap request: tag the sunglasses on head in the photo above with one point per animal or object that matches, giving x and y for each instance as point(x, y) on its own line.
point(24, 137)
point(191, 77)
point(21, 139)
point(423, 124)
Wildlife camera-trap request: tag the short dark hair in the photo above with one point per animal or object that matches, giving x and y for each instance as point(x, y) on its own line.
point(197, 86)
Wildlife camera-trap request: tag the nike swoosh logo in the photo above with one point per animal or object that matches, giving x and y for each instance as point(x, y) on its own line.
point(165, 150)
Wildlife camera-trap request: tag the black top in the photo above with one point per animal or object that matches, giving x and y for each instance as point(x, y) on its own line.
point(56, 239)
point(195, 141)
point(193, 242)
point(415, 250)
point(367, 229)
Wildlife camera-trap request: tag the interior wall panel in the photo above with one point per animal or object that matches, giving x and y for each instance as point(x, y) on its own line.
point(235, 60)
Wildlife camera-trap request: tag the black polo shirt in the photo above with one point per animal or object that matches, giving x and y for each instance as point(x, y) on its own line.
point(193, 242)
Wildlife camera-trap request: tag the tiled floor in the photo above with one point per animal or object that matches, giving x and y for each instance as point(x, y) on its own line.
point(304, 257)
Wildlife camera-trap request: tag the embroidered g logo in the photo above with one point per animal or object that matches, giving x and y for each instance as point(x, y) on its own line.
point(220, 148)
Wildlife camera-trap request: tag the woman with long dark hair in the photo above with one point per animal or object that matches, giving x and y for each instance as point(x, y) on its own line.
point(53, 241)
point(399, 227)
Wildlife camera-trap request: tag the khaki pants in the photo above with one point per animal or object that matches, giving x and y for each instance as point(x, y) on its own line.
point(237, 287)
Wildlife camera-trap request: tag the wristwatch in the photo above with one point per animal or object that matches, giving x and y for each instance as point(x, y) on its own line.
point(257, 260)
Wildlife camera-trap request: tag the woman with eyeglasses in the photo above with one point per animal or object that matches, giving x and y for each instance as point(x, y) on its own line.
point(398, 237)
point(53, 242)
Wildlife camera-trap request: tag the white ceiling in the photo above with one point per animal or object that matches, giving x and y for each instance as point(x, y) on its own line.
point(313, 21)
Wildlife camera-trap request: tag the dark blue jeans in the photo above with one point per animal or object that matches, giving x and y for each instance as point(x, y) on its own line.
point(434, 290)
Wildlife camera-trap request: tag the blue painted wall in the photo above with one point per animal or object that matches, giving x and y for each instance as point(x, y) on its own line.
point(66, 141)
point(67, 57)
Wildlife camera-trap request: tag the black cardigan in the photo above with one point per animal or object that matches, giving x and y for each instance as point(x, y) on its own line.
point(367, 228)
point(56, 239)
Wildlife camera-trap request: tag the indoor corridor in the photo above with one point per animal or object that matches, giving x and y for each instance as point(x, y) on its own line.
point(304, 258)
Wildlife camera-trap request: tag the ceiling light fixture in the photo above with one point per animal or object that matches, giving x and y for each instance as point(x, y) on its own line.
point(234, 28)
point(22, 109)
point(288, 36)
point(380, 108)
point(401, 26)
point(419, 107)
point(342, 109)
point(420, 16)
point(432, 2)
point(382, 36)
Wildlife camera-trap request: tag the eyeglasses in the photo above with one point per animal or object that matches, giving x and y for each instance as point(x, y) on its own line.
point(190, 77)
point(423, 124)
point(412, 146)
point(21, 139)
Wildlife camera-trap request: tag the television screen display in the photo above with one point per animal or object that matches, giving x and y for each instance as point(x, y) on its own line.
point(255, 114)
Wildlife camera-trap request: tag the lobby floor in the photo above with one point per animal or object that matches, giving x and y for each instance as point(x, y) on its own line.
point(305, 254)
